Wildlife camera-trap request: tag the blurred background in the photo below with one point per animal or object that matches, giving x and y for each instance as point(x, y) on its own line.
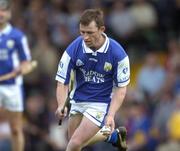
point(149, 31)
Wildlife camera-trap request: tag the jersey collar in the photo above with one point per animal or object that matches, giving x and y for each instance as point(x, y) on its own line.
point(103, 48)
point(6, 29)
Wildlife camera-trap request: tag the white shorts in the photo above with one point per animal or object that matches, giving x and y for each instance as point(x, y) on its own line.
point(11, 97)
point(95, 112)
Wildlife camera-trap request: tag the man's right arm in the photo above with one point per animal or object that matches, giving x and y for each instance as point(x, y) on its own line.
point(61, 96)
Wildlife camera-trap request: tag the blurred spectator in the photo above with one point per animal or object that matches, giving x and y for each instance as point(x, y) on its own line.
point(144, 14)
point(120, 20)
point(170, 146)
point(46, 55)
point(176, 19)
point(173, 131)
point(57, 21)
point(174, 121)
point(165, 12)
point(145, 17)
point(37, 124)
point(161, 114)
point(151, 76)
point(138, 125)
point(173, 57)
point(74, 12)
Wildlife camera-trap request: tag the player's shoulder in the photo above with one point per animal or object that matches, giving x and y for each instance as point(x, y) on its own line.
point(16, 32)
point(76, 41)
point(116, 46)
point(75, 44)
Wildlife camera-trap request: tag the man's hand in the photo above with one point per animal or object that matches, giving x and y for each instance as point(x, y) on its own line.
point(61, 112)
point(109, 122)
point(106, 130)
point(27, 67)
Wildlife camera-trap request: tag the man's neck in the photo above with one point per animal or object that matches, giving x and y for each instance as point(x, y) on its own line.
point(2, 26)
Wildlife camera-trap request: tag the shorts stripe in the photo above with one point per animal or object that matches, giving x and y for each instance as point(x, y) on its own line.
point(93, 119)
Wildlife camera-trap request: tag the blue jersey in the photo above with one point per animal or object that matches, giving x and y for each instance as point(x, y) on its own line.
point(95, 73)
point(13, 49)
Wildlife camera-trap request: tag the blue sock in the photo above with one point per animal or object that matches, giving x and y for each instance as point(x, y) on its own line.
point(113, 137)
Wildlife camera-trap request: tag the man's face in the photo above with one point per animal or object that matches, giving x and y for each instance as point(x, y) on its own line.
point(91, 34)
point(5, 15)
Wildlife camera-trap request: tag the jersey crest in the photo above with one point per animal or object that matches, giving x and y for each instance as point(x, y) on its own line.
point(79, 63)
point(107, 66)
point(99, 115)
point(10, 43)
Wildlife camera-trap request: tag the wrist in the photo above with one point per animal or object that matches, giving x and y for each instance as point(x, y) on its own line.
point(111, 115)
point(17, 72)
point(60, 105)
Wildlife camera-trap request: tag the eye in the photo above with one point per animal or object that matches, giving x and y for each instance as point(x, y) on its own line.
point(86, 32)
point(90, 32)
point(82, 32)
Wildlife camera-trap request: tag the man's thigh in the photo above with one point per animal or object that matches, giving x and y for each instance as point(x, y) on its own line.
point(73, 123)
point(85, 131)
point(15, 120)
point(95, 112)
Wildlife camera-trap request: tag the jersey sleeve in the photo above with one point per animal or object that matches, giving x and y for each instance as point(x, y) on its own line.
point(64, 69)
point(23, 48)
point(122, 72)
point(66, 63)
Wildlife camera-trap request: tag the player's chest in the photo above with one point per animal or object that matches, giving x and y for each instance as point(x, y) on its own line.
point(99, 62)
point(6, 48)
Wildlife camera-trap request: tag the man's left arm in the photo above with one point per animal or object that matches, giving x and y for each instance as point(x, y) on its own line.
point(24, 68)
point(116, 102)
point(121, 79)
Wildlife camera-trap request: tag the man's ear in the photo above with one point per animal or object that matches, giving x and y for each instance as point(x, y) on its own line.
point(102, 28)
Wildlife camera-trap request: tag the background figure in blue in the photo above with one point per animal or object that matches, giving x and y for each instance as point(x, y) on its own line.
point(14, 58)
point(99, 64)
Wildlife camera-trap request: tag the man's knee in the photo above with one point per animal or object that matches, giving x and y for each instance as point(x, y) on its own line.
point(74, 144)
point(16, 130)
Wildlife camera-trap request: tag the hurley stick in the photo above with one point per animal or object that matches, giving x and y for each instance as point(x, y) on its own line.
point(30, 68)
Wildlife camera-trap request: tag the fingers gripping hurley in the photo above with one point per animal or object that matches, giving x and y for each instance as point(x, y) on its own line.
point(63, 109)
point(106, 130)
point(60, 121)
point(13, 74)
point(30, 68)
point(34, 64)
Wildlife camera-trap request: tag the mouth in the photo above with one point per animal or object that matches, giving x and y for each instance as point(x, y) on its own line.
point(87, 42)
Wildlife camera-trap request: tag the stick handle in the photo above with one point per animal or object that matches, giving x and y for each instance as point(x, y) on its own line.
point(60, 121)
point(63, 109)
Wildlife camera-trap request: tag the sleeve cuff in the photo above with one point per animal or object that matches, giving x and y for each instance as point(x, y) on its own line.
point(123, 84)
point(60, 79)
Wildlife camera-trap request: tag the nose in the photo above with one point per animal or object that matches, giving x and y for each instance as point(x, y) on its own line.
point(85, 38)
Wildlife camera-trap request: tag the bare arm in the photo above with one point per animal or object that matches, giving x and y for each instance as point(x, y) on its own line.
point(61, 93)
point(115, 104)
point(61, 96)
point(24, 68)
point(27, 66)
